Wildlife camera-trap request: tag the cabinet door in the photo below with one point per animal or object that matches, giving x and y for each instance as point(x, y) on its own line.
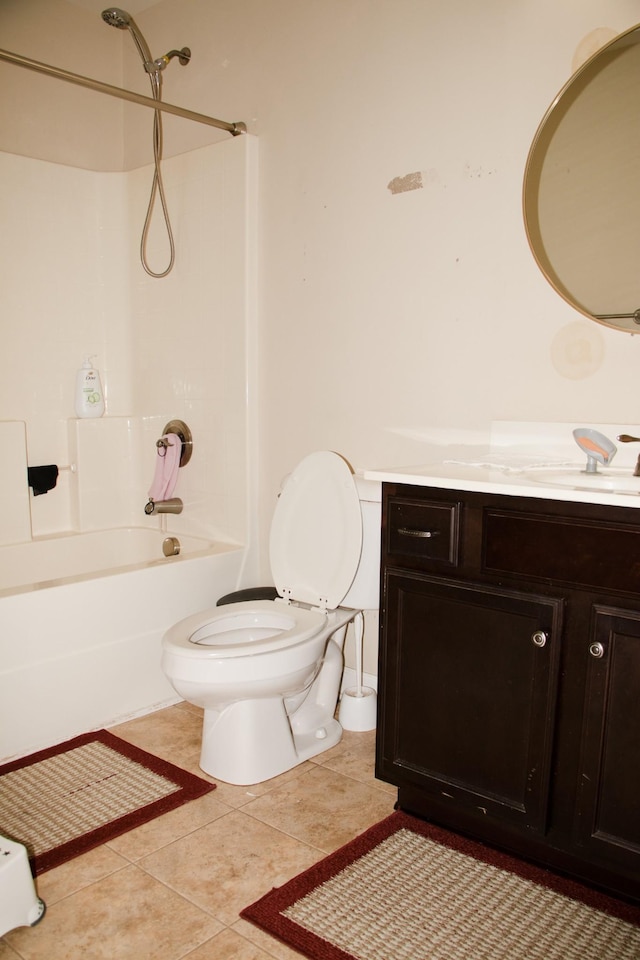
point(469, 677)
point(608, 814)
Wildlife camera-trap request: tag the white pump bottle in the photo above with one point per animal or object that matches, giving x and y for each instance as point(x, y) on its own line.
point(89, 393)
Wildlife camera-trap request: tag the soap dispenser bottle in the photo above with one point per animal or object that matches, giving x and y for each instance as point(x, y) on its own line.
point(89, 395)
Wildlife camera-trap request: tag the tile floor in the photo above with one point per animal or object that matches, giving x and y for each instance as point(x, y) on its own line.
point(173, 888)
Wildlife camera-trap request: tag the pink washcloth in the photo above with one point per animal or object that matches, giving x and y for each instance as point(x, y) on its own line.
point(167, 465)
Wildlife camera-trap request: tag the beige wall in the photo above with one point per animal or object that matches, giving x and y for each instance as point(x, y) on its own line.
point(386, 318)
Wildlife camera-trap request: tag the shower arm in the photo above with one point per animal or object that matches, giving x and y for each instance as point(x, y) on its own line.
point(233, 128)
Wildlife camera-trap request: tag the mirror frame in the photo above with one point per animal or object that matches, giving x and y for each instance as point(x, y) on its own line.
point(553, 117)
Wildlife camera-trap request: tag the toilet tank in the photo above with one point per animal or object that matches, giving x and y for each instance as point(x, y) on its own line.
point(364, 592)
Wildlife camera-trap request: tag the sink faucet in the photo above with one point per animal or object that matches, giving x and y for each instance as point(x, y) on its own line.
point(625, 438)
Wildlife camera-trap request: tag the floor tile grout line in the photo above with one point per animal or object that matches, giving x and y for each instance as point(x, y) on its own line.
point(188, 833)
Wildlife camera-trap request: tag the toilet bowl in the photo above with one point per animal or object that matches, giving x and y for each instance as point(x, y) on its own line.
point(267, 672)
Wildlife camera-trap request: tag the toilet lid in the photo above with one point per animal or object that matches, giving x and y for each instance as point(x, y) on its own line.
point(316, 532)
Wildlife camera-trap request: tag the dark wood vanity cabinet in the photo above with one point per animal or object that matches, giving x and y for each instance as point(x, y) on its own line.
point(509, 677)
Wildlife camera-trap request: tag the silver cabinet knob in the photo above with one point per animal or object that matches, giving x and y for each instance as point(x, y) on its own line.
point(596, 650)
point(539, 638)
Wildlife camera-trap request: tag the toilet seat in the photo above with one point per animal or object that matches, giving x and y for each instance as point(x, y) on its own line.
point(242, 629)
point(316, 532)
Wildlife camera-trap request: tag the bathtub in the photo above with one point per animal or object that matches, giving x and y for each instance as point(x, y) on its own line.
point(81, 621)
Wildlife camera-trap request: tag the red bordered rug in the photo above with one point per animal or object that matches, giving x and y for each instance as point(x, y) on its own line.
point(407, 890)
point(63, 801)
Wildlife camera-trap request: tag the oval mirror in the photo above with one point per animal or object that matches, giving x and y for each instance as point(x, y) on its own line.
point(581, 194)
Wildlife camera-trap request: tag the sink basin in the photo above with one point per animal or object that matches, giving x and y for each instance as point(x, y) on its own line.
point(611, 480)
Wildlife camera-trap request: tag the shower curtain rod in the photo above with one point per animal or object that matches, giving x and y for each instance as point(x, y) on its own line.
point(233, 128)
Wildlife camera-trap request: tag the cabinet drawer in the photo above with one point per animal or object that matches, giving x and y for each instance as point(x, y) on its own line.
point(422, 528)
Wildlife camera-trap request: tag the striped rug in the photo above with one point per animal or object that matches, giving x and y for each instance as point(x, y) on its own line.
point(65, 800)
point(406, 890)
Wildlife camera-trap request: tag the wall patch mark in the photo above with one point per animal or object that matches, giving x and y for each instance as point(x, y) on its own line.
point(410, 181)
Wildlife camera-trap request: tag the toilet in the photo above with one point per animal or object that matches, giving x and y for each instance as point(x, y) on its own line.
point(267, 672)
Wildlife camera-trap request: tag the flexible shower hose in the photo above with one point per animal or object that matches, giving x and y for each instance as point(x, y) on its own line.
point(157, 187)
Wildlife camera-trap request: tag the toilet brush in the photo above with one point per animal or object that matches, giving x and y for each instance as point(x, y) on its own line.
point(358, 704)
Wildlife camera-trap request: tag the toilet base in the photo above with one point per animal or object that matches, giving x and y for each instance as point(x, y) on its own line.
point(309, 745)
point(250, 741)
point(233, 752)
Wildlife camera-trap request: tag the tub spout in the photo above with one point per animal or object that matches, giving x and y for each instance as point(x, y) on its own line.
point(163, 506)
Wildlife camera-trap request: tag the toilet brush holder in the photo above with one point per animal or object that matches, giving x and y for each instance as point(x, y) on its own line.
point(358, 708)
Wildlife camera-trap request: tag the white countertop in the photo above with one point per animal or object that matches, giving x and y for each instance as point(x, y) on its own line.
point(487, 480)
point(512, 469)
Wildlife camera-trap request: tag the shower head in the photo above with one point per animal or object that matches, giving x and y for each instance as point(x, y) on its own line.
point(116, 17)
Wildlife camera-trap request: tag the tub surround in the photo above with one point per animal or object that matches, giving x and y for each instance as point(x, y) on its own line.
point(16, 522)
point(129, 321)
point(103, 482)
point(108, 454)
point(99, 484)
